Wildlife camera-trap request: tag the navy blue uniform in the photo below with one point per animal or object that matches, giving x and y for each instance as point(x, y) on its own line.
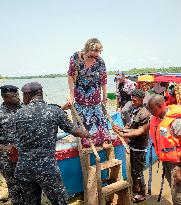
point(7, 166)
point(37, 126)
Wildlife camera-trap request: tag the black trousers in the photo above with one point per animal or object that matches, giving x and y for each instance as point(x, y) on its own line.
point(138, 159)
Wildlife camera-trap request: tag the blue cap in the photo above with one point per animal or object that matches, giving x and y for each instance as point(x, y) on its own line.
point(8, 88)
point(31, 87)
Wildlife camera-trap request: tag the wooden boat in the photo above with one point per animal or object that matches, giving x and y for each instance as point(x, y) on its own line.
point(68, 160)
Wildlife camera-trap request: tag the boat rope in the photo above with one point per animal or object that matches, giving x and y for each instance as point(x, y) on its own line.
point(116, 131)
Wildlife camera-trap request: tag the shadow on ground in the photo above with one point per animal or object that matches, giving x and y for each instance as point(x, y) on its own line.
point(152, 200)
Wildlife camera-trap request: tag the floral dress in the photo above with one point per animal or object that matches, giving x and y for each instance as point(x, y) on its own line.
point(87, 93)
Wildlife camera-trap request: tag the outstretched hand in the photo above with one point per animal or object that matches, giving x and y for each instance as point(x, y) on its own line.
point(177, 175)
point(12, 152)
point(117, 128)
point(82, 133)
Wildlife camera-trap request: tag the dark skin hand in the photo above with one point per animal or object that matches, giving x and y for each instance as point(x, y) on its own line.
point(177, 176)
point(11, 150)
point(79, 133)
point(132, 132)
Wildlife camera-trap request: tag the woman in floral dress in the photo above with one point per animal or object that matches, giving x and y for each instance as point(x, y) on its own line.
point(86, 78)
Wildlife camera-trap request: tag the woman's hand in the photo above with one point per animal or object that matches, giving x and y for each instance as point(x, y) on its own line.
point(70, 100)
point(66, 106)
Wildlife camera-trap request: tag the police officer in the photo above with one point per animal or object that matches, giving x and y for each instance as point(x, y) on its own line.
point(8, 150)
point(37, 126)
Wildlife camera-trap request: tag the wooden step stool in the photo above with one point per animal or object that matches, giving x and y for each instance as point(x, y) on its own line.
point(116, 191)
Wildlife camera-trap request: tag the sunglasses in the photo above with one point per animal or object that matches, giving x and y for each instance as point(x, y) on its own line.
point(94, 57)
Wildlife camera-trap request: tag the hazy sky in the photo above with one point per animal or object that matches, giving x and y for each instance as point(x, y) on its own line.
point(39, 36)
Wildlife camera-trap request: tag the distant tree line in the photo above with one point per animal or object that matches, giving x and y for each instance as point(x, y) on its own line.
point(134, 71)
point(39, 76)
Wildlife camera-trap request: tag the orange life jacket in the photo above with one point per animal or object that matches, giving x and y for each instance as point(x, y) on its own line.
point(167, 146)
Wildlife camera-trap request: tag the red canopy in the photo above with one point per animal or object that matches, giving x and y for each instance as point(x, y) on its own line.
point(174, 79)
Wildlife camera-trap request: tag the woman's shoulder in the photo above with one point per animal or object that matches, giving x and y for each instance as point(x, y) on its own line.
point(75, 55)
point(100, 59)
point(100, 63)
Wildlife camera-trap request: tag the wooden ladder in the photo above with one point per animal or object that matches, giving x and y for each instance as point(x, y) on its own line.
point(116, 190)
point(97, 191)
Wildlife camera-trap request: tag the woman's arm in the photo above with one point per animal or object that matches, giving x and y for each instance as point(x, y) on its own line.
point(71, 89)
point(71, 74)
point(104, 94)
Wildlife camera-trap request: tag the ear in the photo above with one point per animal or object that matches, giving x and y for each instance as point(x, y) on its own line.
point(29, 96)
point(162, 105)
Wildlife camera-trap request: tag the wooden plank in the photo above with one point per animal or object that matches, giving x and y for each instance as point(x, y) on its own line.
point(89, 150)
point(99, 182)
point(109, 164)
point(92, 193)
point(110, 153)
point(115, 187)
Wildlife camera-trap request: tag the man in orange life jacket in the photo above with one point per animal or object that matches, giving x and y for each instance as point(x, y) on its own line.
point(165, 128)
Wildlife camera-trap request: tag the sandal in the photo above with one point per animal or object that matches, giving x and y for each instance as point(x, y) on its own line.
point(139, 198)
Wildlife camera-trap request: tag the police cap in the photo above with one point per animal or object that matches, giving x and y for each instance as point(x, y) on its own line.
point(8, 88)
point(31, 87)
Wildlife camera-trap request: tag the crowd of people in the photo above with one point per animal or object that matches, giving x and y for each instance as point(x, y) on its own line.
point(28, 130)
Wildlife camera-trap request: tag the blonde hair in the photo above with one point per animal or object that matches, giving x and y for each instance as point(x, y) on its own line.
point(93, 44)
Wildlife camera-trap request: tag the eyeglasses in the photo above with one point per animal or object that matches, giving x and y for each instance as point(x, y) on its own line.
point(94, 57)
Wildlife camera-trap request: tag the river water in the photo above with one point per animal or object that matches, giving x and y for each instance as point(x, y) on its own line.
point(55, 89)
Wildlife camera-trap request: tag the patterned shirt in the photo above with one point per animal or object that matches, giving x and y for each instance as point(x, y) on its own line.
point(87, 87)
point(123, 91)
point(37, 126)
point(139, 116)
point(7, 136)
